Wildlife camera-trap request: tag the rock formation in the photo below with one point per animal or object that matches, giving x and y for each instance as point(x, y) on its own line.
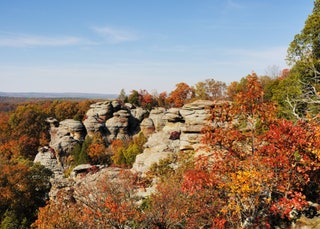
point(65, 135)
point(168, 132)
point(186, 123)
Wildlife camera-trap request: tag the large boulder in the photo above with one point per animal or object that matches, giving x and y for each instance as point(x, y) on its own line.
point(47, 158)
point(117, 126)
point(64, 137)
point(97, 115)
point(137, 115)
point(73, 128)
point(147, 127)
point(196, 116)
point(157, 116)
point(159, 146)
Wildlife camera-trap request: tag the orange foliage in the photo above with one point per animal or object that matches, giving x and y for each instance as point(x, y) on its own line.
point(180, 95)
point(253, 163)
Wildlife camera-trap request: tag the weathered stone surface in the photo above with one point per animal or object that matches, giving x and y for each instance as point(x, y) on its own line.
point(197, 113)
point(80, 171)
point(149, 157)
point(103, 110)
point(116, 105)
point(139, 113)
point(199, 105)
point(147, 127)
point(117, 126)
point(121, 122)
point(173, 115)
point(73, 128)
point(157, 116)
point(158, 147)
point(190, 141)
point(46, 157)
point(64, 137)
point(97, 115)
point(196, 116)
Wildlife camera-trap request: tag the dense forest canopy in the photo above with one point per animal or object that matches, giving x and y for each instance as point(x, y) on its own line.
point(260, 167)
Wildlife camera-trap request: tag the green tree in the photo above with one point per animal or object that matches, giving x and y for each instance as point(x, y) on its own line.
point(304, 56)
point(134, 98)
point(80, 152)
point(122, 96)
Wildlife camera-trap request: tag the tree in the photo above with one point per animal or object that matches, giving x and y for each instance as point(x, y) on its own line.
point(200, 91)
point(123, 98)
point(125, 151)
point(97, 151)
point(180, 95)
point(147, 100)
point(256, 167)
point(162, 99)
point(210, 89)
point(80, 152)
point(304, 56)
point(27, 123)
point(134, 98)
point(24, 187)
point(108, 203)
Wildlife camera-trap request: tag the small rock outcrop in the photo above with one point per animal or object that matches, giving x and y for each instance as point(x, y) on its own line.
point(47, 158)
point(196, 116)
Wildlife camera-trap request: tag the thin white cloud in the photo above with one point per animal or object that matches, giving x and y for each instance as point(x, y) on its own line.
point(256, 60)
point(115, 35)
point(25, 40)
point(272, 53)
point(234, 5)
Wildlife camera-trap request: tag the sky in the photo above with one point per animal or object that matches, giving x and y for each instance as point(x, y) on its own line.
point(103, 46)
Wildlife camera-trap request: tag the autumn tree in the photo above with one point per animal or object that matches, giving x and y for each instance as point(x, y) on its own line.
point(27, 123)
point(125, 150)
point(134, 98)
point(23, 189)
point(210, 89)
point(147, 100)
point(256, 166)
point(61, 213)
point(109, 203)
point(96, 151)
point(161, 99)
point(180, 95)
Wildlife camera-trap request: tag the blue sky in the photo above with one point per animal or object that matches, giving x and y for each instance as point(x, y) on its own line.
point(103, 46)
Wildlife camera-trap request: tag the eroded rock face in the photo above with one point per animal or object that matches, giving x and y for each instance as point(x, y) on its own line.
point(157, 116)
point(147, 127)
point(97, 115)
point(159, 146)
point(181, 131)
point(47, 158)
point(168, 132)
point(64, 137)
point(196, 116)
point(118, 125)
